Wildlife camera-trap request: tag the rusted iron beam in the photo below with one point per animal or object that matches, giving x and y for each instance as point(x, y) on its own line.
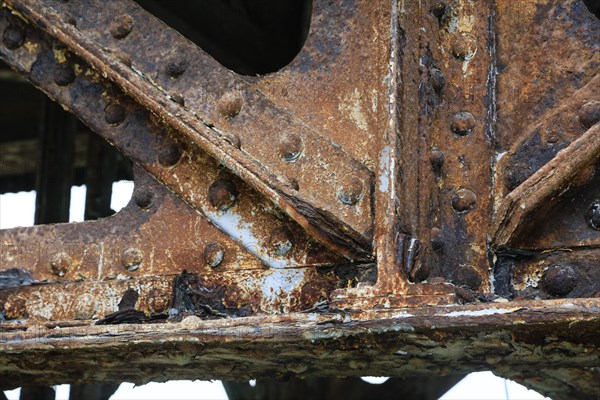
point(546, 184)
point(81, 271)
point(230, 120)
point(200, 180)
point(437, 340)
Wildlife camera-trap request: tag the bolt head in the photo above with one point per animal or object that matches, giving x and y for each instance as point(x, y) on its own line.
point(214, 254)
point(60, 263)
point(462, 123)
point(290, 147)
point(64, 74)
point(222, 194)
point(592, 215)
point(559, 280)
point(176, 67)
point(464, 46)
point(13, 37)
point(589, 114)
point(230, 104)
point(281, 241)
point(351, 191)
point(121, 26)
point(463, 201)
point(144, 198)
point(114, 114)
point(131, 258)
point(169, 155)
point(436, 158)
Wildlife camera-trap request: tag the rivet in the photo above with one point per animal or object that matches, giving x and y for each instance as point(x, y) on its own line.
point(281, 241)
point(467, 276)
point(437, 241)
point(121, 26)
point(437, 79)
point(169, 155)
point(131, 258)
point(114, 114)
point(176, 67)
point(214, 254)
point(436, 157)
point(462, 123)
point(463, 201)
point(143, 197)
point(64, 74)
point(592, 215)
point(464, 47)
point(291, 147)
point(293, 183)
point(230, 104)
point(351, 191)
point(232, 139)
point(222, 194)
point(439, 9)
point(589, 114)
point(13, 37)
point(60, 263)
point(559, 280)
point(179, 99)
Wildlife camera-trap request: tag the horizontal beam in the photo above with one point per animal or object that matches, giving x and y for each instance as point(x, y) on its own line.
point(527, 335)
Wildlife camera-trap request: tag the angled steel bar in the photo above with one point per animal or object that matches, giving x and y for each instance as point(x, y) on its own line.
point(181, 165)
point(228, 119)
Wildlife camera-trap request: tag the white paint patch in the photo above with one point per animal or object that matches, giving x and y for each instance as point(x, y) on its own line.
point(479, 313)
point(240, 231)
point(384, 167)
point(353, 106)
point(500, 155)
point(402, 315)
point(278, 285)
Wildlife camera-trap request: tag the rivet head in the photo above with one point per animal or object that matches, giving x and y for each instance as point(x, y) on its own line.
point(13, 37)
point(176, 67)
point(589, 114)
point(464, 47)
point(437, 79)
point(114, 114)
point(222, 194)
point(592, 215)
point(60, 263)
point(214, 254)
point(463, 201)
point(64, 74)
point(121, 26)
point(169, 155)
point(290, 147)
point(179, 99)
point(559, 280)
point(144, 198)
point(436, 158)
point(281, 241)
point(462, 123)
point(131, 258)
point(230, 104)
point(351, 191)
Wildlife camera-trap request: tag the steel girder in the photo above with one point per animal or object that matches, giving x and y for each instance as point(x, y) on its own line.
point(416, 192)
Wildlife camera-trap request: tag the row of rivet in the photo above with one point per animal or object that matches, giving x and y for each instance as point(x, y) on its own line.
point(222, 194)
point(229, 106)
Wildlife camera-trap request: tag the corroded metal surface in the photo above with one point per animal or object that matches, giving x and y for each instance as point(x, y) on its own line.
point(422, 179)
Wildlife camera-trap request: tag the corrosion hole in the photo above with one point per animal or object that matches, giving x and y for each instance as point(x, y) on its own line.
point(247, 36)
point(593, 6)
